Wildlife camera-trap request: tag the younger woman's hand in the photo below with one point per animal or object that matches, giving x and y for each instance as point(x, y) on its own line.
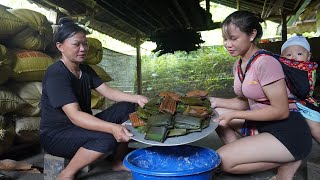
point(120, 133)
point(225, 118)
point(213, 102)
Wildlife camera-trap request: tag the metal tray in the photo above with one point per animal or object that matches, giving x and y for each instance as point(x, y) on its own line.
point(172, 141)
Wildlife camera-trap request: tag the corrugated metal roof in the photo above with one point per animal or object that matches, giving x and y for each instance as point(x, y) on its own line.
point(127, 20)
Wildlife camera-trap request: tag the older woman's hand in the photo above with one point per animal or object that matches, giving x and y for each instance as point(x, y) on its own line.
point(120, 133)
point(141, 100)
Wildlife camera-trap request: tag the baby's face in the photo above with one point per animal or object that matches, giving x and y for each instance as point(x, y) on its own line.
point(296, 52)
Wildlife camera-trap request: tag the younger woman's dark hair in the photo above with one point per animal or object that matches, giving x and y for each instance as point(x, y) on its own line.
point(66, 29)
point(246, 21)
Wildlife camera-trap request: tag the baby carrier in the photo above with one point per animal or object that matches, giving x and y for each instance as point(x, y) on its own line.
point(300, 77)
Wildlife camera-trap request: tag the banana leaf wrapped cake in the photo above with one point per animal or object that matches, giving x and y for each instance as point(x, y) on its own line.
point(136, 120)
point(177, 132)
point(171, 114)
point(157, 120)
point(187, 122)
point(157, 133)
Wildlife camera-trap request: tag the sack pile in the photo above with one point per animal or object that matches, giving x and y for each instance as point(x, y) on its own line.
point(170, 114)
point(25, 46)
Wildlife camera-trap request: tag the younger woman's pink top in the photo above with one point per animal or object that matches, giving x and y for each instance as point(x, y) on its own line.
point(263, 71)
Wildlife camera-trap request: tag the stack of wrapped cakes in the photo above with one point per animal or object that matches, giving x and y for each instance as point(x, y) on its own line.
point(171, 114)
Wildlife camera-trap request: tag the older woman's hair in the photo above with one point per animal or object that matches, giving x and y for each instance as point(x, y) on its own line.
point(66, 29)
point(244, 20)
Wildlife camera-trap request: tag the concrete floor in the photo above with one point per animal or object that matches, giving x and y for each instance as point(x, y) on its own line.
point(102, 169)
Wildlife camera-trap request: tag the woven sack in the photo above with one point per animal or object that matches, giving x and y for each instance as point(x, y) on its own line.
point(5, 63)
point(29, 65)
point(97, 100)
point(29, 92)
point(30, 111)
point(7, 134)
point(27, 129)
point(38, 33)
point(94, 55)
point(105, 77)
point(10, 102)
point(10, 24)
point(3, 52)
point(5, 73)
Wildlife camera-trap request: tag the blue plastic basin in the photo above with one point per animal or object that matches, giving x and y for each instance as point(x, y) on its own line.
point(173, 162)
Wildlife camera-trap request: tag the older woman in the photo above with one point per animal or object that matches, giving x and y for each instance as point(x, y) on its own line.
point(68, 128)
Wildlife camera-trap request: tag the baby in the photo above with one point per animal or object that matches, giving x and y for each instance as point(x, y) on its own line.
point(298, 48)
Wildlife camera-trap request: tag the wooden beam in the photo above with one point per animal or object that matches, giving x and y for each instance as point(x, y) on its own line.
point(264, 9)
point(270, 7)
point(139, 18)
point(302, 27)
point(115, 12)
point(276, 6)
point(243, 4)
point(309, 9)
point(175, 18)
point(297, 5)
point(105, 25)
point(301, 8)
point(148, 13)
point(185, 18)
point(154, 13)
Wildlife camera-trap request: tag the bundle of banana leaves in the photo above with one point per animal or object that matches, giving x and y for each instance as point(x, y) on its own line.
point(170, 114)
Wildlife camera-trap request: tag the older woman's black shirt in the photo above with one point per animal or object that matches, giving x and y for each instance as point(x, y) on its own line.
point(61, 87)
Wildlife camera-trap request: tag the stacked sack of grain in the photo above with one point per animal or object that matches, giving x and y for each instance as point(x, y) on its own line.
point(10, 24)
point(7, 134)
point(25, 42)
point(23, 90)
point(9, 103)
point(5, 65)
point(28, 68)
point(25, 35)
point(93, 58)
point(23, 57)
point(38, 33)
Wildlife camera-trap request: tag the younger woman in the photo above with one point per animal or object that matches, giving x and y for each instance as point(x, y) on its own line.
point(280, 137)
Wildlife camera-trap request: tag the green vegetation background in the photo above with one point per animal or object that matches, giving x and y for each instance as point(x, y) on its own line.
point(209, 68)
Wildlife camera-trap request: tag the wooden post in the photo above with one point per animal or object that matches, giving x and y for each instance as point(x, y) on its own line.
point(139, 74)
point(318, 22)
point(284, 27)
point(238, 5)
point(208, 6)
